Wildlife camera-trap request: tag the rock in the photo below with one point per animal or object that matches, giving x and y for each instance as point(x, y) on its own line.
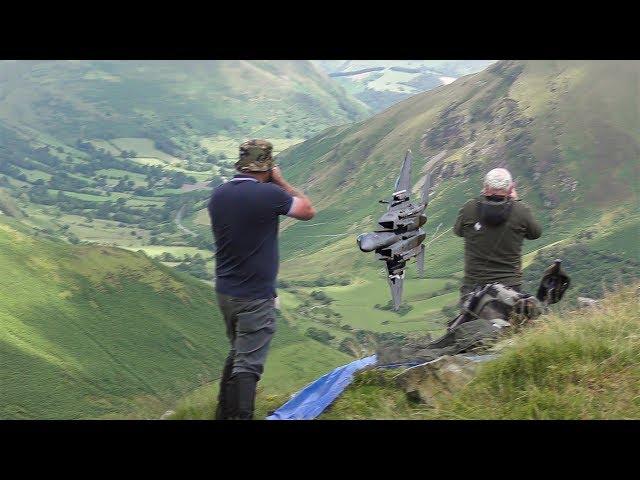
point(401, 350)
point(167, 414)
point(469, 336)
point(499, 323)
point(587, 302)
point(442, 376)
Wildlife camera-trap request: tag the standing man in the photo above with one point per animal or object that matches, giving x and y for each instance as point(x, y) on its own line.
point(244, 216)
point(493, 227)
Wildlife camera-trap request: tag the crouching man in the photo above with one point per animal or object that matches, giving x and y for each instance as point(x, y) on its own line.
point(244, 216)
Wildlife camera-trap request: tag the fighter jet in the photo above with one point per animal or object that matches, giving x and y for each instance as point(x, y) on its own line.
point(400, 237)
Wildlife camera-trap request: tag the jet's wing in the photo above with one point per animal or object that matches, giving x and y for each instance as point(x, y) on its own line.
point(404, 179)
point(396, 284)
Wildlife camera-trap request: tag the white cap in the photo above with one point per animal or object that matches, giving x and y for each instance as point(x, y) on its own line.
point(498, 179)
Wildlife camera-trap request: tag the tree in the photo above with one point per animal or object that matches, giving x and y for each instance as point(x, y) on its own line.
point(319, 335)
point(321, 297)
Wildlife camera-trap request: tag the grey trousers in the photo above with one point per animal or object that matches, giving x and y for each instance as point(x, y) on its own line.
point(250, 327)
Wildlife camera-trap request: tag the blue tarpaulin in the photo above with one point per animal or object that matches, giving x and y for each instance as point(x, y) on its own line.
point(311, 401)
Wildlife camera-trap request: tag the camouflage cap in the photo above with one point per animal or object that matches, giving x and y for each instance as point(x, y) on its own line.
point(255, 156)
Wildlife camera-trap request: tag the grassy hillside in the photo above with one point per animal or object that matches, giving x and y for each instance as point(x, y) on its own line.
point(579, 365)
point(113, 99)
point(101, 332)
point(95, 331)
point(569, 131)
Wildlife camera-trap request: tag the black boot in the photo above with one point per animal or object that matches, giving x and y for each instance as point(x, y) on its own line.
point(226, 394)
point(245, 392)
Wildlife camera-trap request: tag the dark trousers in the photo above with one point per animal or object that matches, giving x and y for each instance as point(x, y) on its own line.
point(250, 326)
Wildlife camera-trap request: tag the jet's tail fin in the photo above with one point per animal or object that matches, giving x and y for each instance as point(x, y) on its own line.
point(404, 179)
point(396, 284)
point(420, 262)
point(425, 189)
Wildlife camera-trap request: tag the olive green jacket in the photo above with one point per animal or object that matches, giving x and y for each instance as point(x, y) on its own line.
point(494, 253)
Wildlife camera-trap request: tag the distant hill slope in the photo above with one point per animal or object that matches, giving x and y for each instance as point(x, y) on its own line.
point(381, 83)
point(577, 366)
point(130, 144)
point(101, 332)
point(151, 98)
point(569, 131)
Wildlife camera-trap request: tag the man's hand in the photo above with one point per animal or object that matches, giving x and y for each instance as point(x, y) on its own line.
point(513, 195)
point(276, 176)
point(278, 179)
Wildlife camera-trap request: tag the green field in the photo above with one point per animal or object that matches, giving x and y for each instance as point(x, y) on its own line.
point(144, 147)
point(229, 145)
point(154, 250)
point(355, 302)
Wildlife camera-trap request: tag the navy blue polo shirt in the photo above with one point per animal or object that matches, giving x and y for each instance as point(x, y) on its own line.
point(244, 217)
